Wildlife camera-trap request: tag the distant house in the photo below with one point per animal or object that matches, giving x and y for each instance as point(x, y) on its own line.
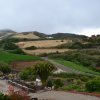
point(49, 37)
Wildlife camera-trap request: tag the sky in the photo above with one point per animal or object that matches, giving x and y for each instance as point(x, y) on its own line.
point(51, 16)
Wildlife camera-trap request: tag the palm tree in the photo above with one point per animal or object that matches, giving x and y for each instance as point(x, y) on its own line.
point(44, 69)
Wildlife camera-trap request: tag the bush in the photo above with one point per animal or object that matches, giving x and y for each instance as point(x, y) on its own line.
point(77, 82)
point(84, 78)
point(70, 87)
point(4, 67)
point(58, 83)
point(17, 95)
point(93, 85)
point(27, 73)
point(9, 46)
point(49, 83)
point(18, 51)
point(31, 48)
point(4, 97)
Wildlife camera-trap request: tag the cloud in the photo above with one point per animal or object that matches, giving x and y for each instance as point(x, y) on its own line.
point(50, 16)
point(88, 32)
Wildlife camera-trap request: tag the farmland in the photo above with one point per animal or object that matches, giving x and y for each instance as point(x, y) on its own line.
point(42, 43)
point(43, 46)
point(42, 51)
point(9, 57)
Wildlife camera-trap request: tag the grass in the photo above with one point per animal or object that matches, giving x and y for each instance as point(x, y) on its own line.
point(77, 67)
point(10, 57)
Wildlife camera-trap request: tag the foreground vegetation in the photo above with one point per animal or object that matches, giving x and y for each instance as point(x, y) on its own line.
point(77, 82)
point(13, 95)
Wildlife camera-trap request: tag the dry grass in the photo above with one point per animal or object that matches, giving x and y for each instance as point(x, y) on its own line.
point(27, 36)
point(41, 51)
point(42, 43)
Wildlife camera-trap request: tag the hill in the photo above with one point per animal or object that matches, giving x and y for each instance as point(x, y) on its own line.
point(38, 35)
point(6, 32)
point(66, 35)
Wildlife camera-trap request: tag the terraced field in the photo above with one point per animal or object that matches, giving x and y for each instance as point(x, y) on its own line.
point(42, 43)
point(9, 57)
point(42, 51)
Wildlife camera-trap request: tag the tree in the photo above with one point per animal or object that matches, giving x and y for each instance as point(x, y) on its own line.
point(9, 45)
point(44, 69)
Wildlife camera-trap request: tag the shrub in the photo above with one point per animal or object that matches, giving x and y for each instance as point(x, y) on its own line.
point(58, 83)
point(70, 87)
point(4, 97)
point(9, 45)
point(93, 85)
point(27, 73)
point(49, 83)
point(84, 78)
point(18, 51)
point(4, 67)
point(31, 48)
point(17, 95)
point(78, 82)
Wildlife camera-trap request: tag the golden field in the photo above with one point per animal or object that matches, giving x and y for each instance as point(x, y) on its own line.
point(42, 43)
point(42, 51)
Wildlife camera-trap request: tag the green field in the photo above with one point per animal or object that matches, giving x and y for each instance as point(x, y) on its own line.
point(9, 57)
point(76, 67)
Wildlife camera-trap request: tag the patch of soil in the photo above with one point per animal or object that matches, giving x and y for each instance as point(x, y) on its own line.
point(20, 65)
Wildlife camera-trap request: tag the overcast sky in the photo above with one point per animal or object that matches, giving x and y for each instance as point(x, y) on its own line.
point(51, 16)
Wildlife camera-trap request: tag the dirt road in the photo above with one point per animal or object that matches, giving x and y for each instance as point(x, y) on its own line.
point(58, 95)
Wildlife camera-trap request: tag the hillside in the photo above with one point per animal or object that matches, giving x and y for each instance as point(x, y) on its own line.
point(39, 35)
point(66, 35)
point(26, 35)
point(3, 31)
point(6, 32)
point(42, 43)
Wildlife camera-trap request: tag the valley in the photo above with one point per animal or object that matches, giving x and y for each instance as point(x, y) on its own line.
point(61, 61)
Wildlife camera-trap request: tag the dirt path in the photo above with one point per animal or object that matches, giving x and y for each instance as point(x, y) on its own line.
point(58, 95)
point(66, 68)
point(62, 67)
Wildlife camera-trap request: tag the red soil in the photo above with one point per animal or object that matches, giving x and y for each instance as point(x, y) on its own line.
point(20, 65)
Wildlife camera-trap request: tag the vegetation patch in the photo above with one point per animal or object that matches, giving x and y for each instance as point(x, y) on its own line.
point(31, 48)
point(10, 57)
